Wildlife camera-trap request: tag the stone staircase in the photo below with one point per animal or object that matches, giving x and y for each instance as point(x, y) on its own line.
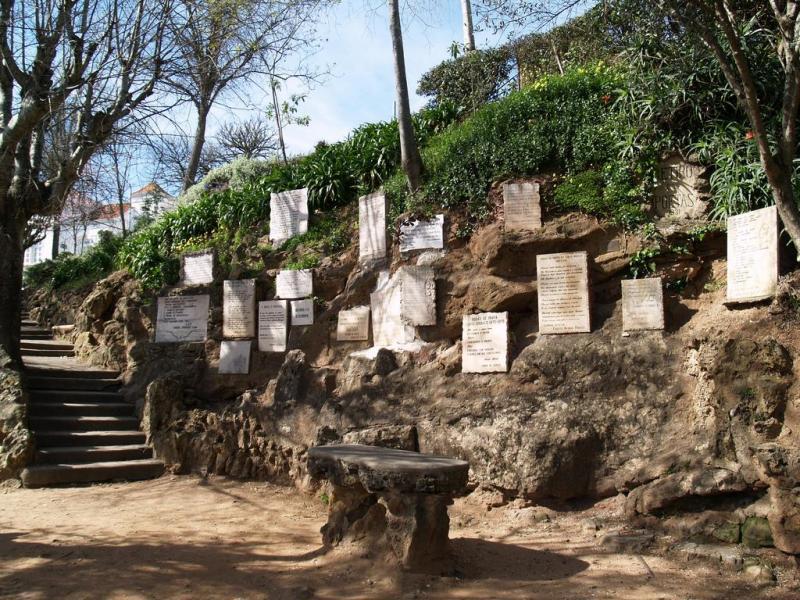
point(85, 432)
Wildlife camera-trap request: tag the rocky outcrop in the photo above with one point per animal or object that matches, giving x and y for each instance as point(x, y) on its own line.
point(16, 440)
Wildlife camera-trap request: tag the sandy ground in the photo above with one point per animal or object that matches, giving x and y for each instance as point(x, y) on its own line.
point(186, 537)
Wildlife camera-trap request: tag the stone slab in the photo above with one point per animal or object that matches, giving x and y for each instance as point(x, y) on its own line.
point(642, 304)
point(302, 312)
point(388, 328)
point(422, 234)
point(197, 268)
point(418, 296)
point(381, 469)
point(485, 343)
point(234, 357)
point(294, 284)
point(239, 308)
point(753, 255)
point(522, 207)
point(563, 293)
point(678, 192)
point(288, 214)
point(273, 325)
point(372, 211)
point(353, 325)
point(182, 319)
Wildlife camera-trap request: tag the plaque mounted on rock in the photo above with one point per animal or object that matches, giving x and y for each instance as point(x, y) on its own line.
point(484, 346)
point(680, 189)
point(418, 297)
point(353, 325)
point(372, 211)
point(294, 284)
point(642, 304)
point(288, 215)
point(753, 255)
point(422, 235)
point(302, 312)
point(563, 292)
point(182, 319)
point(522, 206)
point(197, 268)
point(388, 328)
point(239, 308)
point(273, 325)
point(234, 357)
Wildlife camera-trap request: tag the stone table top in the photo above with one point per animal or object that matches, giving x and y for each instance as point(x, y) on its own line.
point(381, 469)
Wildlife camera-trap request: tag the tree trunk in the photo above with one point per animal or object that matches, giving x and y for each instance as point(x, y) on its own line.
point(780, 179)
point(276, 107)
point(56, 238)
point(11, 260)
point(409, 152)
point(197, 147)
point(469, 30)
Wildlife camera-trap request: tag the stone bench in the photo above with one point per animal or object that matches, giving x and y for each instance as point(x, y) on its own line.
point(389, 499)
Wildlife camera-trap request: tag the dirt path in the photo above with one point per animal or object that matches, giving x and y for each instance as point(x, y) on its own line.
point(185, 537)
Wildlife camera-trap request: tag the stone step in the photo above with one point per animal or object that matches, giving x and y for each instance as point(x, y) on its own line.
point(36, 335)
point(36, 352)
point(72, 383)
point(26, 322)
point(80, 409)
point(82, 423)
point(90, 454)
point(88, 438)
point(45, 345)
point(71, 373)
point(130, 470)
point(72, 396)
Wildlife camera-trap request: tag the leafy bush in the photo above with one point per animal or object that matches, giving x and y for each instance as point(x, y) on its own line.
point(97, 262)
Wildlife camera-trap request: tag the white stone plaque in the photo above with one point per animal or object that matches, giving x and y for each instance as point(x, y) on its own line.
point(372, 211)
point(272, 325)
point(753, 255)
point(302, 312)
point(288, 215)
point(294, 284)
point(388, 328)
point(421, 235)
point(353, 325)
point(642, 304)
point(239, 308)
point(522, 207)
point(678, 191)
point(484, 347)
point(418, 297)
point(234, 357)
point(182, 319)
point(197, 268)
point(563, 292)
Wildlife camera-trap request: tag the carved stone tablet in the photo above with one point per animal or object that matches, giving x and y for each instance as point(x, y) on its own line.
point(239, 308)
point(273, 325)
point(420, 235)
point(353, 325)
point(753, 255)
point(642, 304)
point(182, 319)
point(294, 284)
point(197, 268)
point(372, 211)
point(679, 189)
point(234, 357)
point(302, 312)
point(563, 292)
point(522, 207)
point(388, 329)
point(288, 214)
point(418, 297)
point(485, 343)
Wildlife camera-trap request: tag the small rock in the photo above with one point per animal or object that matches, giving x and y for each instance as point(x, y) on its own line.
point(756, 533)
point(728, 555)
point(627, 541)
point(728, 532)
point(590, 526)
point(760, 574)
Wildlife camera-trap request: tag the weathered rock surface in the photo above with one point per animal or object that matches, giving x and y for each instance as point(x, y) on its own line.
point(16, 440)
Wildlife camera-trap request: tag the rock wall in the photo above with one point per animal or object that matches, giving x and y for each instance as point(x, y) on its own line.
point(16, 440)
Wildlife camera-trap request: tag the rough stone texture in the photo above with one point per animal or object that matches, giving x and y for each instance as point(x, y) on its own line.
point(16, 441)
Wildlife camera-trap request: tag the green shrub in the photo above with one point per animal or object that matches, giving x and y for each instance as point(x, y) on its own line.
point(94, 264)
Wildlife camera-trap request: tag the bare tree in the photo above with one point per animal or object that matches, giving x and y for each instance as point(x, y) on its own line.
point(168, 152)
point(466, 22)
point(253, 138)
point(100, 62)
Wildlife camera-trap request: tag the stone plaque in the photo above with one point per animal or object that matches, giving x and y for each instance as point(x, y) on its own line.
point(273, 325)
point(563, 292)
point(753, 255)
point(239, 308)
point(522, 207)
point(372, 211)
point(353, 325)
point(484, 348)
point(182, 319)
point(288, 215)
point(421, 235)
point(197, 268)
point(418, 297)
point(234, 357)
point(388, 328)
point(678, 192)
point(642, 304)
point(302, 312)
point(294, 284)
